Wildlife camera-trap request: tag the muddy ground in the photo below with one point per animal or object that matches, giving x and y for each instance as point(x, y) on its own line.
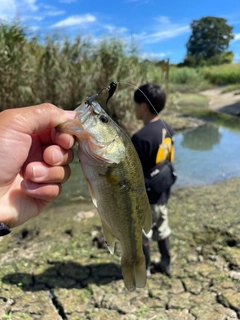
point(57, 267)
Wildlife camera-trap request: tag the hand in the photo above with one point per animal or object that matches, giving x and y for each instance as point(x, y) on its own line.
point(34, 160)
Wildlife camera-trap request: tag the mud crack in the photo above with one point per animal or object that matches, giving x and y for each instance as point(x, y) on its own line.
point(57, 304)
point(223, 301)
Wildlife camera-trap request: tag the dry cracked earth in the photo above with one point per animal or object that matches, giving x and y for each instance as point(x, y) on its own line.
point(57, 267)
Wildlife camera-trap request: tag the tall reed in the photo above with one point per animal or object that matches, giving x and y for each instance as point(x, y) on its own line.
point(64, 72)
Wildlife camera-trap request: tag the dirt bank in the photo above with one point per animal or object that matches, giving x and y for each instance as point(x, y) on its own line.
point(223, 102)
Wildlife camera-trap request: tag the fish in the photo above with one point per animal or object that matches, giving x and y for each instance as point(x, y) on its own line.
point(114, 175)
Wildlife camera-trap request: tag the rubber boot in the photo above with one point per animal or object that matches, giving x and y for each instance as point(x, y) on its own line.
point(146, 252)
point(164, 265)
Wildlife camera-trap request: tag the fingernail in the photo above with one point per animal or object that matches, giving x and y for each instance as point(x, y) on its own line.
point(56, 156)
point(70, 114)
point(39, 171)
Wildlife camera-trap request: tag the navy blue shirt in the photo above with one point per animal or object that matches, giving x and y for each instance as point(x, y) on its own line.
point(147, 142)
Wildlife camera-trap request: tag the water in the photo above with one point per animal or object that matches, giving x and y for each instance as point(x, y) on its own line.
point(202, 156)
point(206, 155)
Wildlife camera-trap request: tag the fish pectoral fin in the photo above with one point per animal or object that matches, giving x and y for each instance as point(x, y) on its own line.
point(92, 193)
point(147, 224)
point(109, 238)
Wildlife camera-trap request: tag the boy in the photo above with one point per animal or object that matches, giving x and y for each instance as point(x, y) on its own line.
point(154, 142)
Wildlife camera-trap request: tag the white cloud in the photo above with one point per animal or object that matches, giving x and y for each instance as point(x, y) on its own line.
point(163, 20)
point(162, 35)
point(164, 29)
point(237, 36)
point(115, 30)
point(48, 14)
point(31, 4)
point(8, 9)
point(138, 1)
point(67, 1)
point(154, 55)
point(55, 13)
point(75, 20)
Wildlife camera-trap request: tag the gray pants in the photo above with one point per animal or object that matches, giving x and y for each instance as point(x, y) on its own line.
point(160, 229)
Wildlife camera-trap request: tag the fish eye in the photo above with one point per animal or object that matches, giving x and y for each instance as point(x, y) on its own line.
point(104, 119)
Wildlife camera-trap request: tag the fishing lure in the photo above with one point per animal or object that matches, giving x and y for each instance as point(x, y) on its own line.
point(111, 89)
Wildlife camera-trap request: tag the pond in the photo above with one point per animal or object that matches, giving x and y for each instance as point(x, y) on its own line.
point(202, 156)
point(206, 155)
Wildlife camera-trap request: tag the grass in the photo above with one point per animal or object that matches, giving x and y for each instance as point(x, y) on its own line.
point(191, 99)
point(187, 80)
point(222, 75)
point(231, 87)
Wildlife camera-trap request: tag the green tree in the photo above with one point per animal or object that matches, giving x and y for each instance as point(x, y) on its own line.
point(210, 38)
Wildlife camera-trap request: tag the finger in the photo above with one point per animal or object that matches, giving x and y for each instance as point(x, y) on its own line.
point(40, 172)
point(64, 140)
point(55, 155)
point(46, 192)
point(53, 136)
point(36, 119)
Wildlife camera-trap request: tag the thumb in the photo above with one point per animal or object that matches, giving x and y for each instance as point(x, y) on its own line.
point(35, 119)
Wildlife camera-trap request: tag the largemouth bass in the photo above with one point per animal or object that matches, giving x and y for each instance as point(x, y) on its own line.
point(115, 179)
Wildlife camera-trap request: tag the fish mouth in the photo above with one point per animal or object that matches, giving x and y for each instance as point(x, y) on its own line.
point(84, 111)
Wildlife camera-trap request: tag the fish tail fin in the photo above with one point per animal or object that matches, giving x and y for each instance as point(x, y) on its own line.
point(129, 277)
point(134, 275)
point(140, 273)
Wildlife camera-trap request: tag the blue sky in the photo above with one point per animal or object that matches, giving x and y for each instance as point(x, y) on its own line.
point(159, 28)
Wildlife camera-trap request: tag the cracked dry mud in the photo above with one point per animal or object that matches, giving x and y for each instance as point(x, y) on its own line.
point(56, 266)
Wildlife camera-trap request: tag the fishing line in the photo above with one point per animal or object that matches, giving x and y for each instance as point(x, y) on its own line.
point(135, 87)
point(111, 89)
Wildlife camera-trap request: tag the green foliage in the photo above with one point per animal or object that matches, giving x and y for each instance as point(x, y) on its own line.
point(222, 75)
point(64, 72)
point(210, 39)
point(186, 80)
point(221, 58)
point(184, 75)
point(7, 316)
point(231, 87)
point(200, 61)
point(16, 66)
